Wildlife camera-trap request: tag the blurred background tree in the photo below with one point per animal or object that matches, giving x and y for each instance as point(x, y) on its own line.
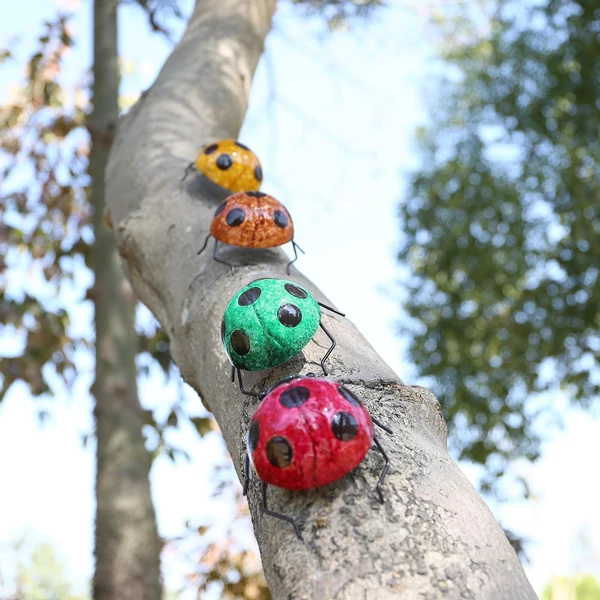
point(41, 575)
point(501, 226)
point(575, 587)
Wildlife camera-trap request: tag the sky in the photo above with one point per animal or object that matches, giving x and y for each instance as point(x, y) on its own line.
point(332, 118)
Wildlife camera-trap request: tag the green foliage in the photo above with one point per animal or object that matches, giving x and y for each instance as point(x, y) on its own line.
point(339, 12)
point(43, 213)
point(45, 228)
point(42, 577)
point(502, 226)
point(575, 587)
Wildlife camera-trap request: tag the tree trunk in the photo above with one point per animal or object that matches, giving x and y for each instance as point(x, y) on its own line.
point(127, 547)
point(433, 537)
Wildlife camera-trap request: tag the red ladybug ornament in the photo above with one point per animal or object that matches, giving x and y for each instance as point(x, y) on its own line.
point(308, 432)
point(251, 220)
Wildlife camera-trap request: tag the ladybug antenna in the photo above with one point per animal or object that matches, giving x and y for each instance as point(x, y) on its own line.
point(276, 514)
point(204, 246)
point(187, 171)
point(380, 424)
point(333, 310)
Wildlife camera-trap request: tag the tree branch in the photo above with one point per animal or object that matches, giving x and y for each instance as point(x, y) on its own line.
point(433, 537)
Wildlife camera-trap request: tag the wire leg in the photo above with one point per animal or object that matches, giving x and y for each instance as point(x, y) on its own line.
point(276, 514)
point(188, 170)
point(333, 344)
point(246, 474)
point(384, 472)
point(244, 391)
point(220, 260)
point(380, 424)
point(294, 246)
point(205, 244)
point(232, 374)
point(333, 310)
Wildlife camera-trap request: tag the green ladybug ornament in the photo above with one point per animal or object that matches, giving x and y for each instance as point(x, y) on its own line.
point(267, 322)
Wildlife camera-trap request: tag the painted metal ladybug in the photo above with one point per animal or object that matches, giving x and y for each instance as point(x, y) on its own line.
point(267, 322)
point(251, 220)
point(230, 164)
point(309, 432)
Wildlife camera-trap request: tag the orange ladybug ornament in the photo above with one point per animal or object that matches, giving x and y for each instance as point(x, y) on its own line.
point(251, 220)
point(230, 164)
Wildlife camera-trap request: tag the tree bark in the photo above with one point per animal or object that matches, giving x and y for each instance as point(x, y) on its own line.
point(433, 537)
point(127, 547)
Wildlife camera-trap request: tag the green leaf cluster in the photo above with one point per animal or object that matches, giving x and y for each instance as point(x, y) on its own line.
point(574, 587)
point(502, 226)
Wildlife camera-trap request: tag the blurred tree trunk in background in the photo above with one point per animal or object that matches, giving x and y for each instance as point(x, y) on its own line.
point(127, 547)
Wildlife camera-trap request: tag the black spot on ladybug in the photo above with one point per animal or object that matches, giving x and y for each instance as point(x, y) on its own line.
point(253, 435)
point(344, 426)
point(222, 330)
point(240, 342)
point(220, 208)
point(348, 395)
point(249, 296)
point(294, 396)
point(294, 290)
point(279, 452)
point(281, 382)
point(241, 145)
point(254, 194)
point(258, 173)
point(289, 315)
point(235, 217)
point(210, 149)
point(224, 162)
point(280, 219)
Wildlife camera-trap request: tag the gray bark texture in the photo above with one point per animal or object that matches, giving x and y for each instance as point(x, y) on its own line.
point(127, 547)
point(433, 537)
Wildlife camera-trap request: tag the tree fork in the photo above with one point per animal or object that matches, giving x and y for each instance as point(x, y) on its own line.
point(433, 537)
point(127, 547)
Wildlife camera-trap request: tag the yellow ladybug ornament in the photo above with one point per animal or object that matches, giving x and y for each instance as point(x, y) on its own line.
point(231, 165)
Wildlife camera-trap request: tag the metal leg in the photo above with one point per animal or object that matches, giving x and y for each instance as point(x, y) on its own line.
point(380, 424)
point(384, 472)
point(246, 474)
point(232, 374)
point(205, 244)
point(328, 351)
point(333, 310)
point(188, 170)
point(220, 260)
point(276, 514)
point(244, 391)
point(294, 246)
